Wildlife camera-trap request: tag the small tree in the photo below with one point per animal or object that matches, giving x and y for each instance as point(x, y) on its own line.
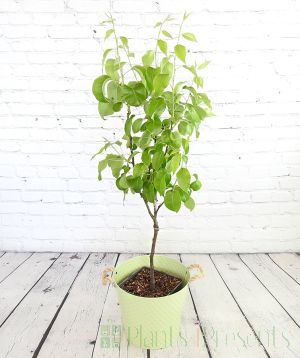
point(161, 116)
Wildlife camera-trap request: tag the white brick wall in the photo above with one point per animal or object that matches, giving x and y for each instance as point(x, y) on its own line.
point(248, 156)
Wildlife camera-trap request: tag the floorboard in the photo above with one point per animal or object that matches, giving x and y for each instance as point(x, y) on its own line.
point(74, 330)
point(223, 322)
point(20, 282)
point(22, 334)
point(281, 286)
point(54, 305)
point(277, 331)
point(290, 263)
point(10, 262)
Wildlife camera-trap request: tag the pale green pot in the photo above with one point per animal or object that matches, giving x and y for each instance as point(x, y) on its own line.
point(151, 323)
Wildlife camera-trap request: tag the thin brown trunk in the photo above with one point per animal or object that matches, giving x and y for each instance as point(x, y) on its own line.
point(155, 233)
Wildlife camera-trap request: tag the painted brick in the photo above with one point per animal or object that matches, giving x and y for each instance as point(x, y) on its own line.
point(247, 157)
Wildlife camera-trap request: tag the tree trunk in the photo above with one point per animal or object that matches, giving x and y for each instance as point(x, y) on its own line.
point(155, 233)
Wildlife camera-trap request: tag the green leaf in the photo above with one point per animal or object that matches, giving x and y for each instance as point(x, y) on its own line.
point(148, 192)
point(115, 162)
point(160, 82)
point(192, 69)
point(101, 150)
point(176, 139)
point(117, 106)
point(199, 81)
point(146, 158)
point(166, 67)
point(173, 164)
point(149, 75)
point(101, 166)
point(108, 33)
point(189, 36)
point(134, 93)
point(156, 106)
point(111, 68)
point(196, 185)
point(105, 109)
point(157, 24)
point(163, 46)
point(123, 182)
point(172, 200)
point(113, 92)
point(185, 128)
point(135, 184)
point(127, 126)
point(158, 159)
point(185, 145)
point(139, 169)
point(136, 126)
point(186, 15)
point(167, 34)
point(160, 181)
point(183, 177)
point(148, 58)
point(203, 65)
point(205, 99)
point(124, 41)
point(154, 126)
point(180, 52)
point(105, 54)
point(190, 203)
point(98, 87)
point(145, 140)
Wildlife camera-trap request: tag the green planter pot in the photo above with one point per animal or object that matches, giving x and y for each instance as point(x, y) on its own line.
point(152, 323)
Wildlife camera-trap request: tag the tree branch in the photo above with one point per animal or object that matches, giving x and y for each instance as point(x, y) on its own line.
point(147, 206)
point(159, 206)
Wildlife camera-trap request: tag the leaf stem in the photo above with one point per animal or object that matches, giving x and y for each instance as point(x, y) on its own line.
point(117, 47)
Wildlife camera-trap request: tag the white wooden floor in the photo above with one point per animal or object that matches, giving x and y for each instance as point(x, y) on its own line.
point(54, 305)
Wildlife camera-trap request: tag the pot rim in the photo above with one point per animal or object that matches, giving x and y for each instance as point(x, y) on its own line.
point(155, 298)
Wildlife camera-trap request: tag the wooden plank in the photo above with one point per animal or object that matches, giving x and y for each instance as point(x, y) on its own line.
point(222, 320)
point(10, 262)
point(290, 263)
point(16, 286)
point(280, 285)
point(75, 329)
point(278, 332)
point(190, 342)
point(111, 319)
point(24, 330)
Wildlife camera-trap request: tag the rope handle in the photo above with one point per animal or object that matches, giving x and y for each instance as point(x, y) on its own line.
point(106, 278)
point(198, 275)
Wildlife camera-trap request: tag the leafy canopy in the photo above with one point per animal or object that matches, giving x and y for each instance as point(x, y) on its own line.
point(161, 116)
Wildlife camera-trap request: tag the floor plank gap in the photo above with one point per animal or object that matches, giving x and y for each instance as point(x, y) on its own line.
point(248, 322)
point(284, 308)
point(45, 335)
point(26, 294)
point(198, 319)
point(100, 319)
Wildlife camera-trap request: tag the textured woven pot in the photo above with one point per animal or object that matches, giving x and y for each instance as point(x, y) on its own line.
point(152, 322)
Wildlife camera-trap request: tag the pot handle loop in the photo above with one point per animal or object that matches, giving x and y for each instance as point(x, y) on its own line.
point(198, 275)
point(105, 276)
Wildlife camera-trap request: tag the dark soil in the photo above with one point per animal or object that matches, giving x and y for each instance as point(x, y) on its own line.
point(139, 283)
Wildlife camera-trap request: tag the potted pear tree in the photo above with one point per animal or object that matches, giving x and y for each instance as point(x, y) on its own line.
point(160, 114)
